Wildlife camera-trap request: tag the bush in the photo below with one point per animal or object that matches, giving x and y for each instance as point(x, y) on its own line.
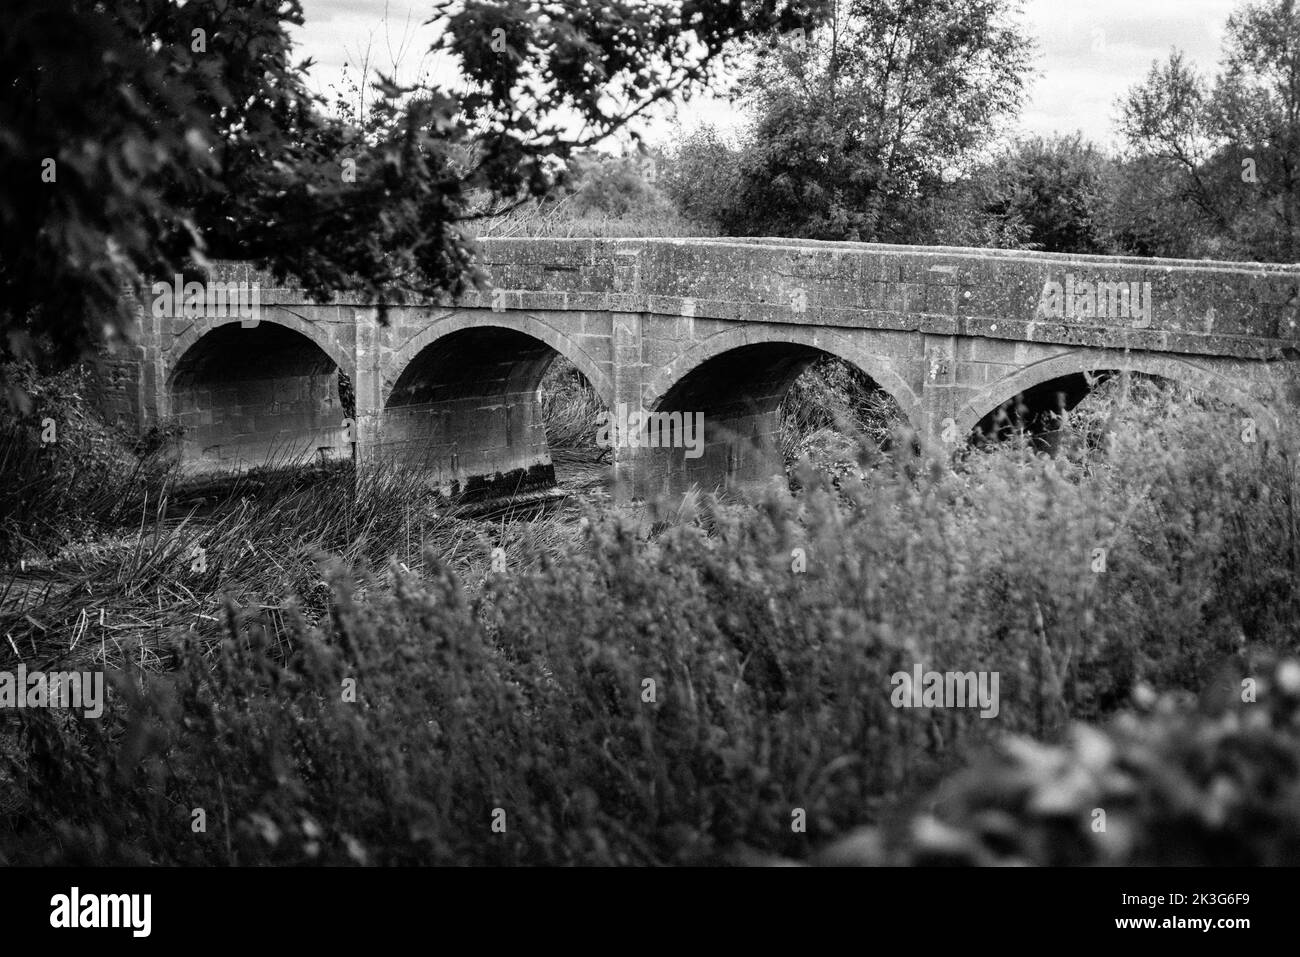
point(604, 196)
point(570, 408)
point(83, 480)
point(833, 406)
point(1173, 783)
point(679, 697)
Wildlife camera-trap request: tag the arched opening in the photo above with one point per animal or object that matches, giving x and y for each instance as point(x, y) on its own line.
point(467, 411)
point(1039, 413)
point(259, 396)
point(832, 413)
point(1081, 408)
point(571, 413)
point(727, 423)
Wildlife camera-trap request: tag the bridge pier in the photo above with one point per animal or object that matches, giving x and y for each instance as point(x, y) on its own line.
point(940, 393)
point(633, 471)
point(367, 385)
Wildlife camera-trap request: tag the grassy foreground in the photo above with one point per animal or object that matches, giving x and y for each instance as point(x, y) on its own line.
point(715, 691)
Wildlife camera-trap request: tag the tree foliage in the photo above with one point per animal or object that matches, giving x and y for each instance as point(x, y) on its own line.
point(860, 119)
point(703, 179)
point(616, 186)
point(1228, 149)
point(138, 135)
point(1045, 193)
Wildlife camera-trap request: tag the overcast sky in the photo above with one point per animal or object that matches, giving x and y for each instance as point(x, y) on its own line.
point(1089, 53)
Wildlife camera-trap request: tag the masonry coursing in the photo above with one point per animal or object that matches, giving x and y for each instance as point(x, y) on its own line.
point(950, 333)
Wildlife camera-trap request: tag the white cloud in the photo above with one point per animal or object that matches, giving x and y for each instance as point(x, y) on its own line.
point(1089, 54)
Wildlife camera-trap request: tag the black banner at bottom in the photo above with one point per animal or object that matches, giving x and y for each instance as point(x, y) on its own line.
point(333, 907)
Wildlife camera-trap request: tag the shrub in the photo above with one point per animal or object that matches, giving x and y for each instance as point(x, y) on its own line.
point(1174, 782)
point(527, 690)
point(570, 408)
point(84, 480)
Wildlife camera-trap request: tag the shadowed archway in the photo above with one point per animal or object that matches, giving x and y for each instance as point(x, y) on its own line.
point(466, 411)
point(721, 421)
point(265, 395)
point(1036, 400)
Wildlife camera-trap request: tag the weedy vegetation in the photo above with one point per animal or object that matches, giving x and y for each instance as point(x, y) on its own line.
point(352, 679)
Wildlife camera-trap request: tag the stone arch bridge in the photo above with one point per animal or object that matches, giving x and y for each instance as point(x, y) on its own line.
point(716, 326)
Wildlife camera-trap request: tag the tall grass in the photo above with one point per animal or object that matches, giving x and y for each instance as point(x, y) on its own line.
point(682, 696)
point(64, 473)
point(107, 552)
point(836, 418)
point(119, 596)
point(570, 409)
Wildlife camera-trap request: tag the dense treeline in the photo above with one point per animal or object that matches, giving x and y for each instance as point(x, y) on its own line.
point(837, 146)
